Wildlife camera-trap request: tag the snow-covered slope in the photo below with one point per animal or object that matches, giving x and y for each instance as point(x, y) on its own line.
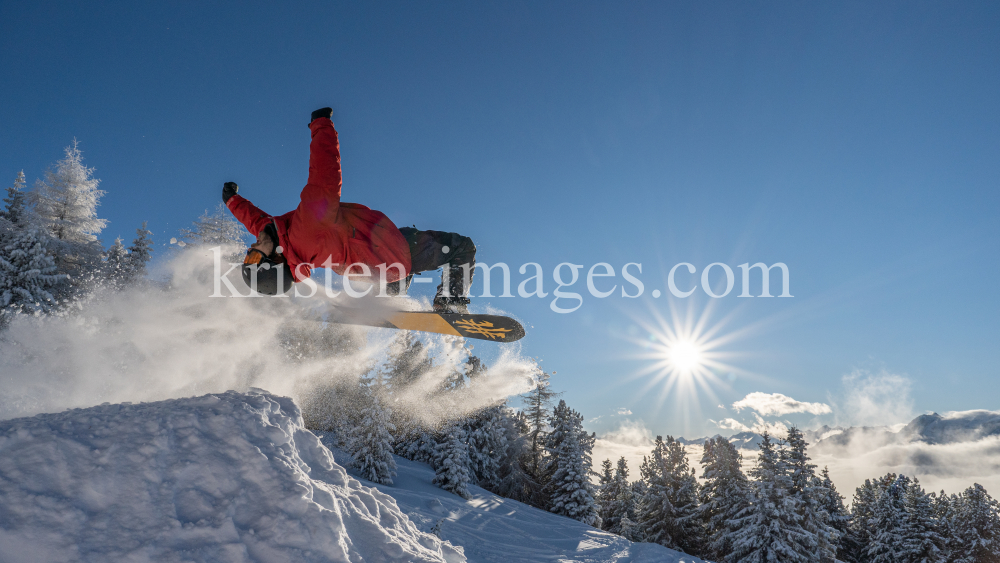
point(492, 528)
point(218, 478)
point(235, 477)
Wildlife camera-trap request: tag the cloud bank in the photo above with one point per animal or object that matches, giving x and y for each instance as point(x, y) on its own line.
point(768, 404)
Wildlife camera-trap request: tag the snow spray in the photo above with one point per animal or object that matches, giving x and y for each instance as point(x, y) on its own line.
point(169, 339)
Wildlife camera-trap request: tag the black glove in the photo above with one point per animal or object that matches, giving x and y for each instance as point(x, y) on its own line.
point(323, 112)
point(229, 189)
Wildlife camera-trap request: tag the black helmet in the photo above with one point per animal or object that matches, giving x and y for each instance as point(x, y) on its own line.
point(272, 278)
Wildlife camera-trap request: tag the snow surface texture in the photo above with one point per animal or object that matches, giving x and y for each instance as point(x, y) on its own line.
point(154, 342)
point(491, 528)
point(219, 478)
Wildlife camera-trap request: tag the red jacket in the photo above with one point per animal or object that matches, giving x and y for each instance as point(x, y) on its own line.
point(322, 229)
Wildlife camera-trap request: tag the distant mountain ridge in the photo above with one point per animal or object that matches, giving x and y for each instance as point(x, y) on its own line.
point(933, 428)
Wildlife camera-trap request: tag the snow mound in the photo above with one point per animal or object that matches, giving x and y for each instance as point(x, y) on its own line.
point(217, 478)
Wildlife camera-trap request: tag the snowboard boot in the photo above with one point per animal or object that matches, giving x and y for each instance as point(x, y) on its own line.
point(458, 305)
point(452, 299)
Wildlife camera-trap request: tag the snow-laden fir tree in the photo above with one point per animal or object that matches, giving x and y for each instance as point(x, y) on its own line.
point(944, 518)
point(487, 437)
point(514, 481)
point(13, 220)
point(408, 360)
point(668, 509)
point(618, 509)
point(65, 203)
point(976, 527)
point(569, 490)
point(371, 438)
point(889, 524)
point(604, 478)
point(139, 253)
point(537, 405)
point(922, 542)
point(14, 214)
point(768, 531)
point(832, 505)
point(451, 461)
point(723, 497)
point(217, 228)
point(854, 545)
point(116, 265)
point(28, 276)
point(123, 267)
point(819, 543)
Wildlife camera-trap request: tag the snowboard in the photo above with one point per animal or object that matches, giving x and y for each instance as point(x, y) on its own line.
point(494, 328)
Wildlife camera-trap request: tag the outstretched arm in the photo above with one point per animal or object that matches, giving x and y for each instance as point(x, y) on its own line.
point(324, 162)
point(247, 213)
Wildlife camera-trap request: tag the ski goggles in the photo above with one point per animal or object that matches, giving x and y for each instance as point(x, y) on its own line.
point(254, 256)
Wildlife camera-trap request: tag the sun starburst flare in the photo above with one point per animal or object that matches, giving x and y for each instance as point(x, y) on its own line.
point(686, 359)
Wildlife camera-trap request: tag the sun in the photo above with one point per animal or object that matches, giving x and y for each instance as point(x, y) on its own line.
point(684, 355)
point(685, 358)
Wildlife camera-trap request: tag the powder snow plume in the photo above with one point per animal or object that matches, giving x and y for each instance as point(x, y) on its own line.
point(162, 341)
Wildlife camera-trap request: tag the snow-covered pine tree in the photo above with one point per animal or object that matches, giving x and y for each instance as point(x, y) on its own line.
point(28, 276)
point(668, 510)
point(889, 524)
point(474, 367)
point(408, 360)
point(819, 543)
point(139, 253)
point(629, 530)
point(487, 437)
point(570, 492)
point(451, 461)
point(618, 509)
point(15, 208)
point(116, 265)
point(854, 544)
point(768, 530)
point(65, 203)
point(832, 505)
point(723, 496)
point(217, 228)
point(371, 438)
point(513, 480)
point(921, 543)
point(944, 517)
point(13, 220)
point(538, 401)
point(604, 499)
point(977, 527)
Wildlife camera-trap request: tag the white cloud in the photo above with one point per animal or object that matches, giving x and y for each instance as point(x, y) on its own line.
point(777, 429)
point(631, 440)
point(778, 404)
point(933, 464)
point(632, 433)
point(731, 424)
point(624, 412)
point(879, 399)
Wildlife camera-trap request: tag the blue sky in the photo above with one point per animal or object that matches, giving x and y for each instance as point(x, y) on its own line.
point(858, 144)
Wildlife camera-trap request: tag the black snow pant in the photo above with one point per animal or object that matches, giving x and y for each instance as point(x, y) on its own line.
point(430, 250)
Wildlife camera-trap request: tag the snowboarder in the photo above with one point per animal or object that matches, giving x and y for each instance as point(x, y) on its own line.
point(346, 237)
